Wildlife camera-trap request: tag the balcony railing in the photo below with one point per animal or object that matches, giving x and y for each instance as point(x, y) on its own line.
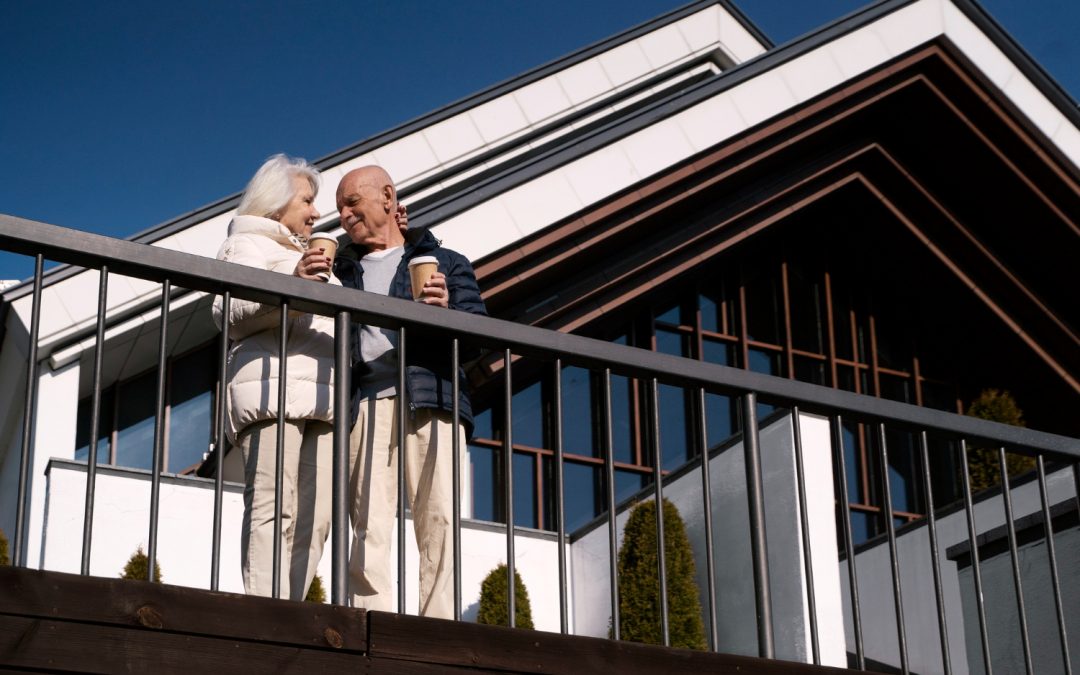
point(173, 269)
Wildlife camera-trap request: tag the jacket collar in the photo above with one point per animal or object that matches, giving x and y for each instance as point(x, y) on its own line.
point(266, 227)
point(417, 242)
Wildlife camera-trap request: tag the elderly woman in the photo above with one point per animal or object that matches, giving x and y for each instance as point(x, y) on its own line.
point(270, 232)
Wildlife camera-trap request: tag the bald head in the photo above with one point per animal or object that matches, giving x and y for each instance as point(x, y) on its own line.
point(367, 202)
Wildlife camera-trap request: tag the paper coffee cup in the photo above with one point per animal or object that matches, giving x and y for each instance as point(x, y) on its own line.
point(329, 245)
point(420, 270)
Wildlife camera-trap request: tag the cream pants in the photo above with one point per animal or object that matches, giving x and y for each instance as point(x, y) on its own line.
point(305, 510)
point(429, 490)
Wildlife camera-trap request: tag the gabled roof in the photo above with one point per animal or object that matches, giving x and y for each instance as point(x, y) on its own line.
point(467, 138)
point(970, 185)
point(563, 165)
point(403, 131)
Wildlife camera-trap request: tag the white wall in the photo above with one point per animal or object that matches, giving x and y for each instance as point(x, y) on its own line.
point(873, 570)
point(736, 608)
point(54, 436)
point(122, 523)
point(185, 529)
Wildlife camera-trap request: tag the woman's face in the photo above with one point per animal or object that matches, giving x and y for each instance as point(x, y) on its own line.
point(300, 213)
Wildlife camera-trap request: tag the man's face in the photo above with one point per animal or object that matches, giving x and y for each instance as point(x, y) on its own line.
point(360, 205)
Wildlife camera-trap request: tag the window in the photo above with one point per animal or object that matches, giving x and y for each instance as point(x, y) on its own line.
point(797, 310)
point(126, 423)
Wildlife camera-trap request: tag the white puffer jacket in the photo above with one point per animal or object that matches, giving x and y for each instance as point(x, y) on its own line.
point(252, 392)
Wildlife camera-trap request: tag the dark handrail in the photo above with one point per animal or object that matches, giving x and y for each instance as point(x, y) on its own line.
point(212, 276)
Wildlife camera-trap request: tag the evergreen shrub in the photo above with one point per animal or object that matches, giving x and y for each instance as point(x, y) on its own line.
point(984, 464)
point(639, 581)
point(316, 592)
point(136, 567)
point(493, 600)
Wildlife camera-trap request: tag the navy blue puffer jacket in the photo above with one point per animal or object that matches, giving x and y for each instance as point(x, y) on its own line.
point(428, 358)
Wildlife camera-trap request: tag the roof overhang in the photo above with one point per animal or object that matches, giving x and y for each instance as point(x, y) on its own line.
point(926, 136)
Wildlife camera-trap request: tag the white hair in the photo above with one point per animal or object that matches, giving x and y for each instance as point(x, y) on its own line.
point(271, 188)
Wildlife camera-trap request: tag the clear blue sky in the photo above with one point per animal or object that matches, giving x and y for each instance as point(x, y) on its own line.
point(119, 115)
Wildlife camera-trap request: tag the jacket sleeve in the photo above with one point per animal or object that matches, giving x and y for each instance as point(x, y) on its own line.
point(465, 297)
point(464, 291)
point(245, 317)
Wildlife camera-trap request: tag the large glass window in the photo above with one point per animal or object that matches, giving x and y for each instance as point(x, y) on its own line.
point(792, 311)
point(126, 425)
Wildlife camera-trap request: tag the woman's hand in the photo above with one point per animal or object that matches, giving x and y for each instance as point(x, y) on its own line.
point(313, 263)
point(435, 291)
point(402, 218)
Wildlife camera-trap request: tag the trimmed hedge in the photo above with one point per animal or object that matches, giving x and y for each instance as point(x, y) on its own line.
point(493, 600)
point(639, 581)
point(984, 464)
point(136, 567)
point(316, 592)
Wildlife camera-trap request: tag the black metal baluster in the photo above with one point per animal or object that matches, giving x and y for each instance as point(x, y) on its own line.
point(18, 553)
point(159, 432)
point(836, 429)
point(658, 495)
point(403, 410)
point(1006, 496)
point(508, 489)
point(95, 413)
point(339, 579)
point(219, 441)
point(935, 556)
point(706, 492)
point(279, 461)
point(758, 541)
point(560, 511)
point(894, 561)
point(811, 600)
point(455, 413)
point(973, 543)
point(1048, 527)
point(609, 481)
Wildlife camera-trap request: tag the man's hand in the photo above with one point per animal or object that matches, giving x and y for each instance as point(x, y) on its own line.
point(311, 263)
point(435, 291)
point(402, 218)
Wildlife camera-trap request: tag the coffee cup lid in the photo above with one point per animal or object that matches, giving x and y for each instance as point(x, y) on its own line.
point(420, 260)
point(322, 235)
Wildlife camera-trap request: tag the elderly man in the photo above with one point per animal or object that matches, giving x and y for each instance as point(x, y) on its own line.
point(377, 261)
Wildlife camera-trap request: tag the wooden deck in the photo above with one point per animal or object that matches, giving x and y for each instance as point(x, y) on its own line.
point(63, 622)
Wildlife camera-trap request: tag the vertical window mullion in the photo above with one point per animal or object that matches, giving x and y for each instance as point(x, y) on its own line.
point(831, 331)
point(786, 298)
point(874, 373)
point(114, 436)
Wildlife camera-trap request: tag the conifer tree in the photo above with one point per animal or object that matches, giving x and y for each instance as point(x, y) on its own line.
point(639, 581)
point(316, 592)
point(136, 567)
point(493, 600)
point(984, 464)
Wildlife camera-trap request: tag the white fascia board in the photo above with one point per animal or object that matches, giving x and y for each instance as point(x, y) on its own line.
point(125, 330)
point(483, 230)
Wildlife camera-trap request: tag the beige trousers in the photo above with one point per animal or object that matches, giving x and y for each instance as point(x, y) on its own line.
point(305, 510)
point(429, 490)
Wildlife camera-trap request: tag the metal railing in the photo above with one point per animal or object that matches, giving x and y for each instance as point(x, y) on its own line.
point(174, 269)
